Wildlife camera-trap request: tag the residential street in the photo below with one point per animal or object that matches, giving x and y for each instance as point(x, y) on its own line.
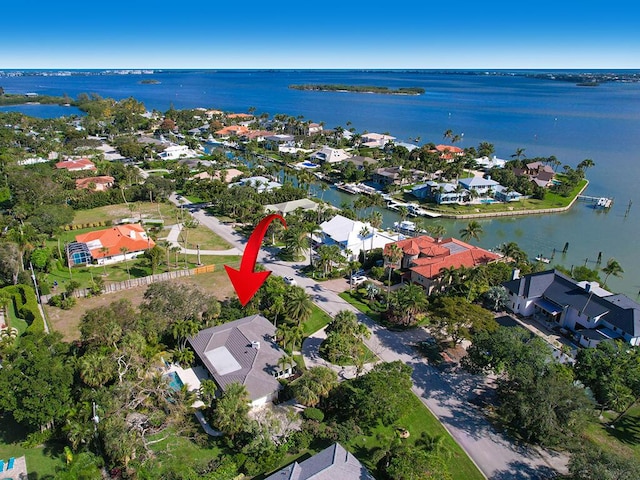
point(445, 394)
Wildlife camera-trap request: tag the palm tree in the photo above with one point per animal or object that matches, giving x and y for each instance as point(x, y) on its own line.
point(437, 230)
point(472, 230)
point(364, 233)
point(403, 211)
point(104, 251)
point(612, 268)
point(393, 255)
point(124, 251)
point(519, 154)
point(298, 305)
point(513, 252)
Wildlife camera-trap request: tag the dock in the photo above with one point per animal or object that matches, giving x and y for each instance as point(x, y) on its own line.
point(600, 202)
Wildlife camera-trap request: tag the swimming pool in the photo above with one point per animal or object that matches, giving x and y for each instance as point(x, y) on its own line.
point(487, 200)
point(174, 381)
point(308, 164)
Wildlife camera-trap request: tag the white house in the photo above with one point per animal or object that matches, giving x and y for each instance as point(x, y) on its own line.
point(329, 155)
point(347, 234)
point(376, 140)
point(174, 152)
point(261, 184)
point(591, 312)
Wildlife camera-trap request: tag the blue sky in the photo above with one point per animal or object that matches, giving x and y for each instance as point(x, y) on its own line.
point(407, 34)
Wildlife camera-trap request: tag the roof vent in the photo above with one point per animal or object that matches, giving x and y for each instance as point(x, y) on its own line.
point(255, 345)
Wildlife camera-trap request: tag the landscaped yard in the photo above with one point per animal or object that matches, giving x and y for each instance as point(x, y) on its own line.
point(42, 461)
point(167, 211)
point(622, 440)
point(362, 306)
point(318, 320)
point(203, 236)
point(419, 420)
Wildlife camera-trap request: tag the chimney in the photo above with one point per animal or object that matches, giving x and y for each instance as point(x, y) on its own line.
point(255, 345)
point(515, 274)
point(587, 287)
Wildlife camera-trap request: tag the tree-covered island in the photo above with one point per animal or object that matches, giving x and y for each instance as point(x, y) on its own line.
point(360, 89)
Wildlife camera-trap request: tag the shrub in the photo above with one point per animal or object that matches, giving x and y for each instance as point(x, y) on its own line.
point(312, 413)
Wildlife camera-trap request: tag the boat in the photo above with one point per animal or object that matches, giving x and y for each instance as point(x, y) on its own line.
point(542, 259)
point(404, 226)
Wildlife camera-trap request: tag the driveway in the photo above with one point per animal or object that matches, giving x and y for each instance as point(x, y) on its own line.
point(445, 394)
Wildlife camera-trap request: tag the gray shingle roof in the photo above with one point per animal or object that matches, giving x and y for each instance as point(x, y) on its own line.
point(256, 365)
point(332, 463)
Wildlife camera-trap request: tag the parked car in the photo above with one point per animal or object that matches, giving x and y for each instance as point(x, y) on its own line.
point(358, 280)
point(290, 281)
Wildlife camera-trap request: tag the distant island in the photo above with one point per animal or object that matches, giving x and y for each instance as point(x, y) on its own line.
point(149, 81)
point(360, 89)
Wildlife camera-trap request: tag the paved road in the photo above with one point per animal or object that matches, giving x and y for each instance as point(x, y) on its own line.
point(446, 395)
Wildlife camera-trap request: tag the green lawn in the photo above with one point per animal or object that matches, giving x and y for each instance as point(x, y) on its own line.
point(42, 460)
point(319, 319)
point(362, 306)
point(166, 211)
point(203, 236)
point(418, 420)
point(624, 439)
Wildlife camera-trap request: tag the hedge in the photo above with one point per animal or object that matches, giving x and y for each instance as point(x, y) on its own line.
point(26, 306)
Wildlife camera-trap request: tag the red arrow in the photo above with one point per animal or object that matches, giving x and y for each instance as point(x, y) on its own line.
point(245, 281)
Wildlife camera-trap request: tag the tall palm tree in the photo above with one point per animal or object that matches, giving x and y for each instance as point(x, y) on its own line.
point(104, 251)
point(472, 230)
point(437, 230)
point(612, 268)
point(513, 252)
point(124, 251)
point(364, 233)
point(298, 305)
point(393, 255)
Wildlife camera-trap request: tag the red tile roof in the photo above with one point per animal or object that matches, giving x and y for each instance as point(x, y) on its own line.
point(105, 180)
point(76, 164)
point(131, 236)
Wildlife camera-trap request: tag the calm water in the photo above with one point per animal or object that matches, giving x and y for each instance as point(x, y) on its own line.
point(543, 117)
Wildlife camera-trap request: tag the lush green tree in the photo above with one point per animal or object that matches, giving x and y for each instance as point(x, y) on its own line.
point(411, 463)
point(592, 463)
point(35, 381)
point(298, 305)
point(407, 304)
point(314, 385)
point(10, 263)
point(612, 267)
point(343, 344)
point(497, 297)
point(231, 410)
point(460, 319)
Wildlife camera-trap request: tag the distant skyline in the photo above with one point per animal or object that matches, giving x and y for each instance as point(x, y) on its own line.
point(460, 35)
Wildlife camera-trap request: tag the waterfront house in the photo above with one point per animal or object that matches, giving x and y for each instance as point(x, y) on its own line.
point(329, 155)
point(360, 162)
point(448, 152)
point(375, 140)
point(106, 246)
point(441, 193)
point(504, 194)
point(584, 308)
point(482, 186)
point(237, 130)
point(76, 165)
point(174, 152)
point(313, 129)
point(288, 207)
point(345, 233)
point(332, 463)
point(486, 163)
point(261, 184)
point(539, 173)
point(275, 142)
point(425, 257)
point(243, 351)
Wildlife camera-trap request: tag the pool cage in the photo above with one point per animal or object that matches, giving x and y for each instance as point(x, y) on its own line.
point(78, 254)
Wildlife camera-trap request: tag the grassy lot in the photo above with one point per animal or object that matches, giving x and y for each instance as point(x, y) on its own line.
point(319, 319)
point(622, 440)
point(203, 236)
point(167, 211)
point(67, 321)
point(42, 461)
point(418, 420)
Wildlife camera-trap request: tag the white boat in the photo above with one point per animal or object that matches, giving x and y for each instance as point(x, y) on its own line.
point(405, 226)
point(542, 259)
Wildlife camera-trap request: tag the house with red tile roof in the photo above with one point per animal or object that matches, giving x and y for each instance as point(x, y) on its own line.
point(449, 152)
point(76, 164)
point(425, 257)
point(97, 184)
point(106, 246)
point(237, 130)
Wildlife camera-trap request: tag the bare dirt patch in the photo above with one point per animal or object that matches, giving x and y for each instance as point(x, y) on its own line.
point(67, 322)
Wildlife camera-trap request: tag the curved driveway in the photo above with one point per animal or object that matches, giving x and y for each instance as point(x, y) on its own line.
point(446, 395)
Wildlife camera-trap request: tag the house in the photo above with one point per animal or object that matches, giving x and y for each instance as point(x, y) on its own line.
point(243, 351)
point(261, 184)
point(441, 193)
point(482, 186)
point(237, 130)
point(229, 174)
point(360, 162)
point(106, 246)
point(97, 184)
point(329, 155)
point(332, 463)
point(448, 152)
point(375, 140)
point(293, 205)
point(504, 194)
point(425, 258)
point(174, 152)
point(76, 165)
point(345, 233)
point(278, 141)
point(592, 313)
point(313, 129)
point(387, 175)
point(486, 163)
point(539, 173)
